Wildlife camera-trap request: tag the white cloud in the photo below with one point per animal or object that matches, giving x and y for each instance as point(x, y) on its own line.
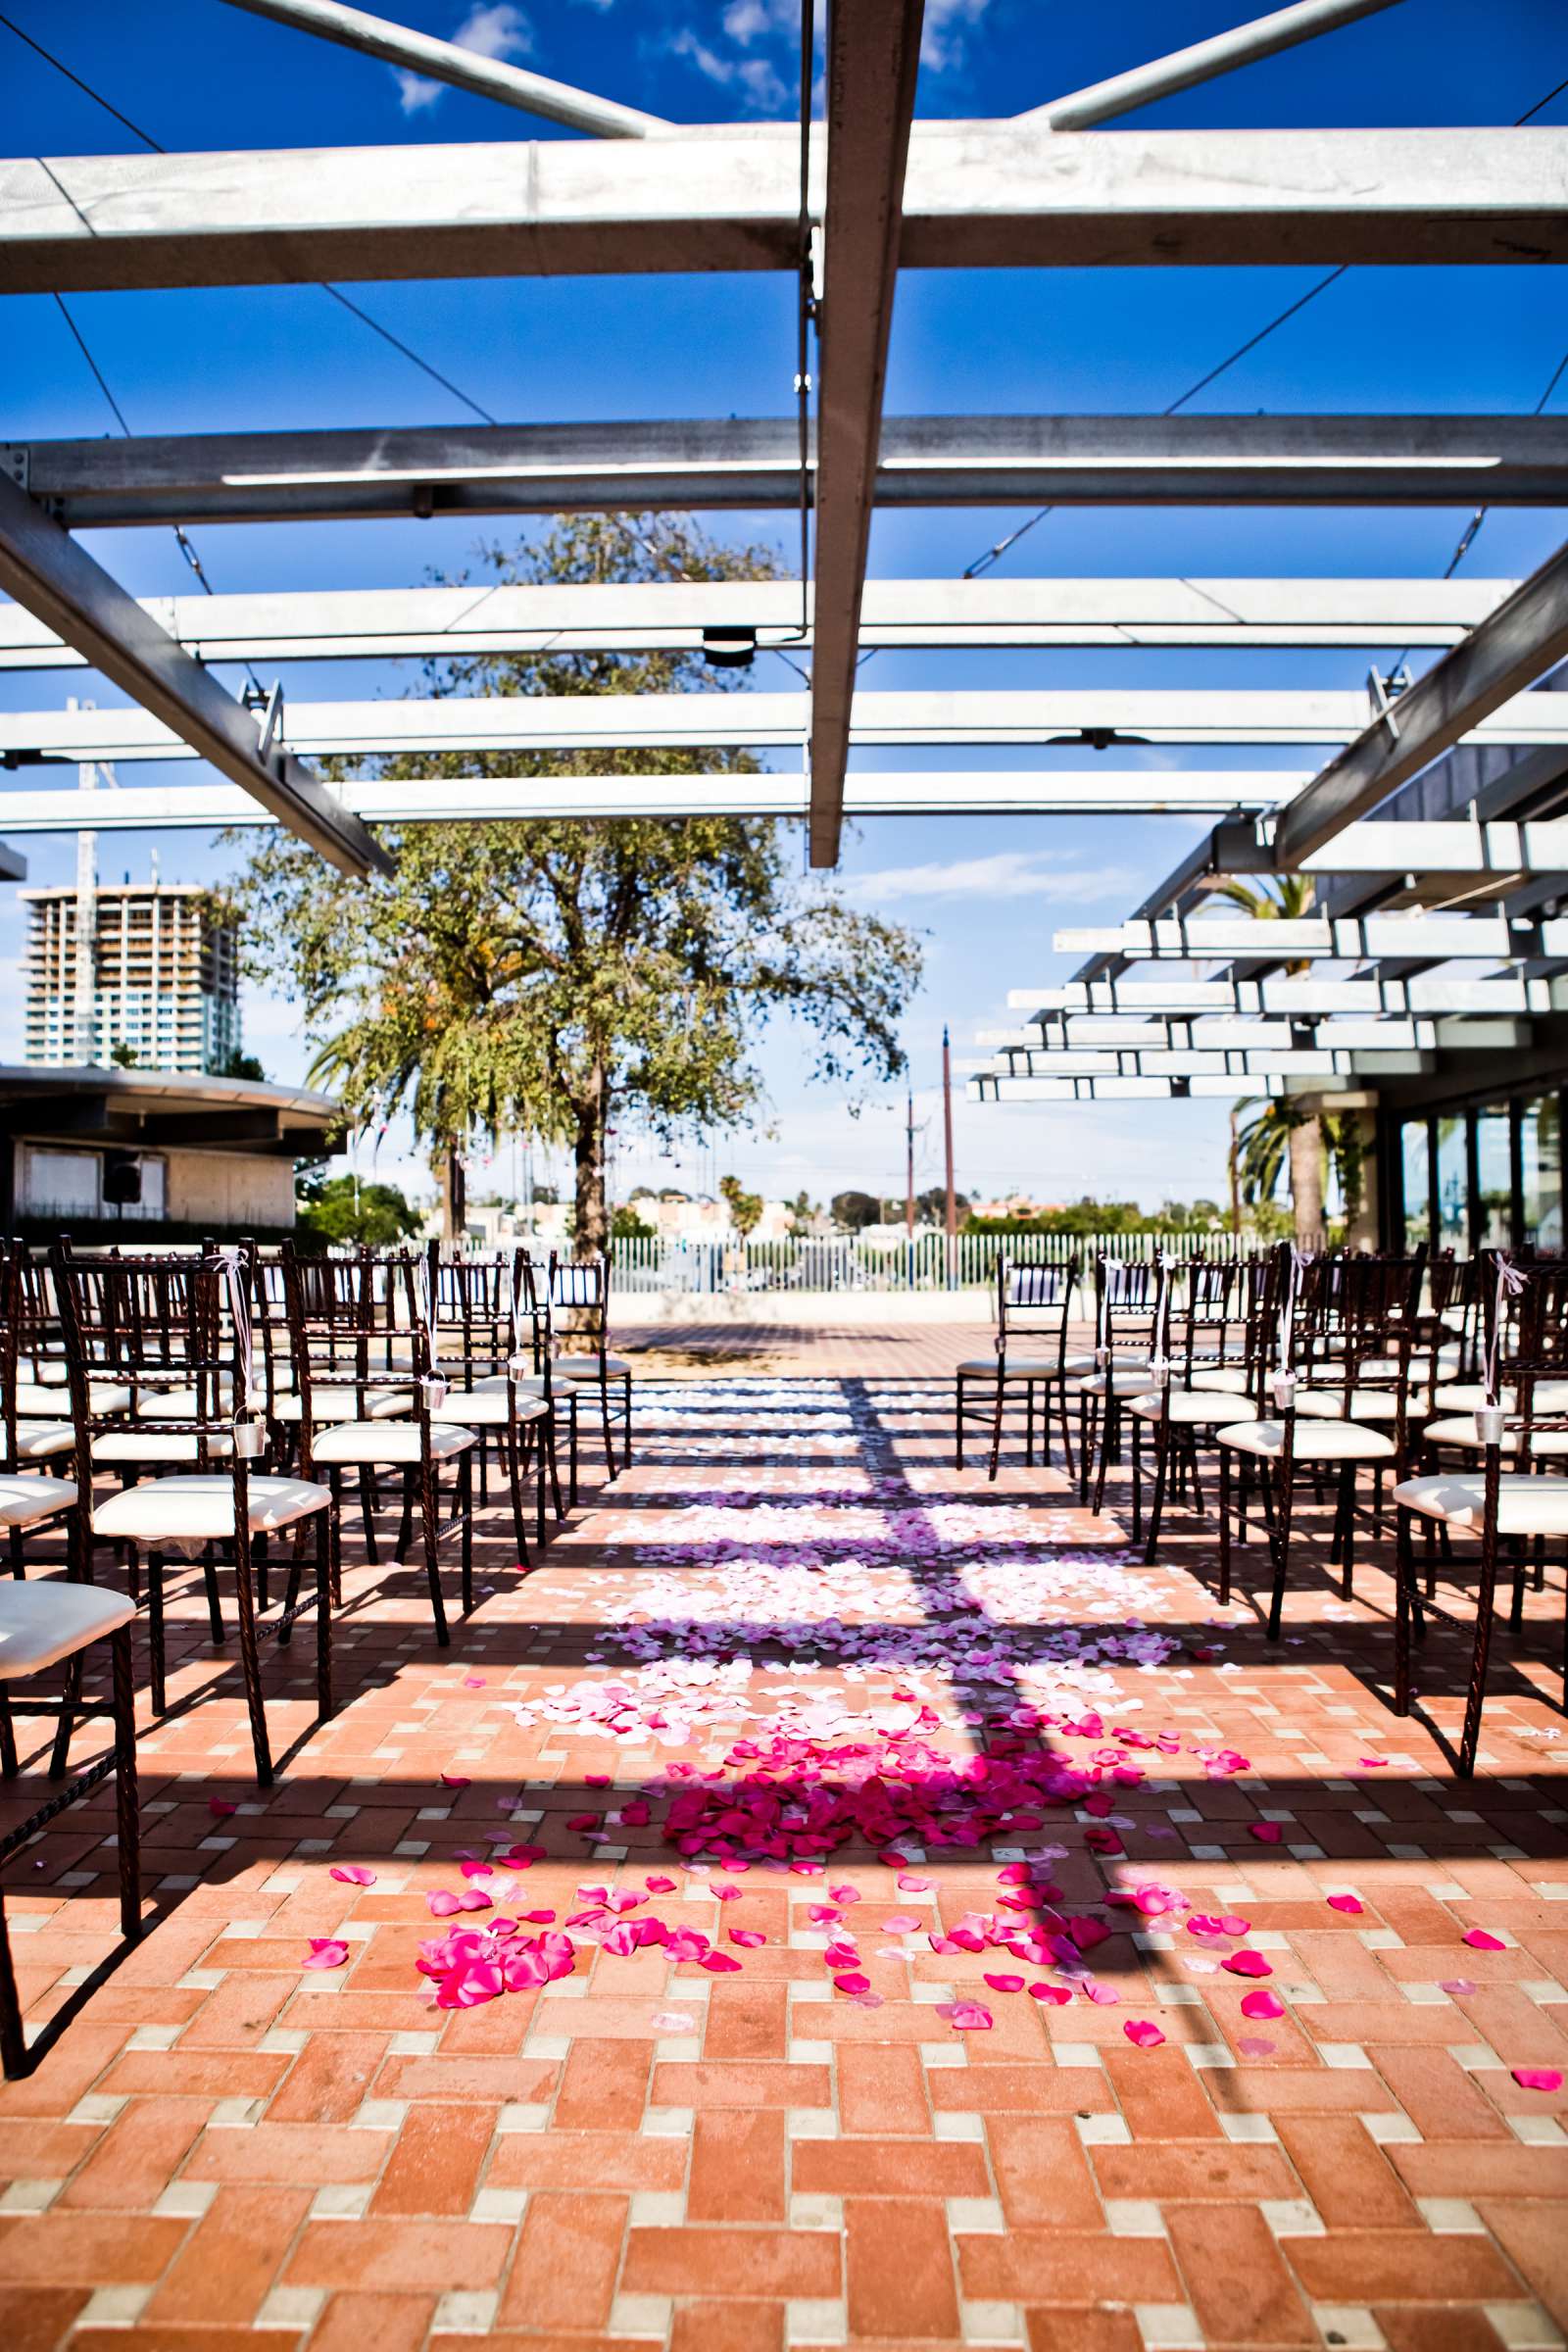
point(1006, 874)
point(942, 45)
point(756, 78)
point(497, 30)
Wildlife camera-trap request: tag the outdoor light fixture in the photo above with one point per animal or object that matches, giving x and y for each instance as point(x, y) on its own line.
point(729, 648)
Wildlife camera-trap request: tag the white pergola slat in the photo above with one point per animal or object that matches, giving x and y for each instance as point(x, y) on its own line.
point(1434, 939)
point(753, 462)
point(761, 720)
point(364, 624)
point(918, 792)
point(1294, 998)
point(978, 195)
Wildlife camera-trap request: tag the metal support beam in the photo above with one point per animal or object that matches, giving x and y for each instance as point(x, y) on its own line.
point(1515, 645)
point(1294, 998)
point(356, 625)
point(873, 60)
point(1420, 938)
point(711, 465)
point(1163, 77)
point(42, 567)
point(464, 69)
point(978, 195)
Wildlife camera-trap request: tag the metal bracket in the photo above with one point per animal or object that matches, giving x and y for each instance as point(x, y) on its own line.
point(272, 724)
point(1381, 694)
point(16, 463)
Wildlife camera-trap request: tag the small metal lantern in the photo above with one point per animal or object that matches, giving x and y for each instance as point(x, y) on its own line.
point(1491, 1421)
point(1102, 1358)
point(1283, 1387)
point(433, 1389)
point(519, 1364)
point(1159, 1371)
point(249, 1440)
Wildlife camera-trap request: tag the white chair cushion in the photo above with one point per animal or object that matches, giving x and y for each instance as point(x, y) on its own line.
point(1548, 1444)
point(201, 1510)
point(183, 1404)
point(532, 1384)
point(587, 1367)
point(1131, 1380)
point(1526, 1505)
point(130, 1445)
point(1367, 1405)
point(28, 1496)
point(343, 1404)
point(1225, 1380)
point(1194, 1407)
point(1548, 1396)
point(487, 1408)
point(1020, 1367)
point(387, 1442)
point(47, 1400)
point(47, 1619)
point(37, 1440)
point(1387, 1367)
point(1315, 1440)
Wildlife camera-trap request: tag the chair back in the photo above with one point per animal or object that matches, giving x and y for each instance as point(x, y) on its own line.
point(579, 1288)
point(349, 1319)
point(489, 1316)
point(175, 1331)
point(1128, 1298)
point(1034, 1302)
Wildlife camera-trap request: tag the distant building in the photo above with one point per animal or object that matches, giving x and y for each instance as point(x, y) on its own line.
point(163, 985)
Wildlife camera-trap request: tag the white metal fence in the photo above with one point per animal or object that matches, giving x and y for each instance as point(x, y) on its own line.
point(849, 1262)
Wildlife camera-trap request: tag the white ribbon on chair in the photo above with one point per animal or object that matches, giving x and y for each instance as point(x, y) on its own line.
point(434, 1382)
point(1284, 1373)
point(1510, 1282)
point(252, 1397)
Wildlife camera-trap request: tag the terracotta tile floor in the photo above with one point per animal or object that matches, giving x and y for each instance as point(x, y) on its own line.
point(648, 2152)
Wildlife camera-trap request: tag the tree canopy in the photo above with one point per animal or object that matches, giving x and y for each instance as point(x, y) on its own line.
point(544, 977)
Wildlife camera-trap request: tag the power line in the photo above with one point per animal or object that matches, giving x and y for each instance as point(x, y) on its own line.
point(336, 293)
point(97, 372)
point(993, 555)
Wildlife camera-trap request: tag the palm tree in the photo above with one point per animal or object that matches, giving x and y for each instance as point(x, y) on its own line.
point(1277, 1131)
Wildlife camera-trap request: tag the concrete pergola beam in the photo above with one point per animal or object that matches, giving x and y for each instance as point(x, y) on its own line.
point(44, 568)
point(705, 465)
point(418, 623)
point(977, 195)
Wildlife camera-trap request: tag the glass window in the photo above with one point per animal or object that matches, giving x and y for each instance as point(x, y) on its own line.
point(1415, 1160)
point(1453, 1184)
point(1541, 1159)
point(1493, 1178)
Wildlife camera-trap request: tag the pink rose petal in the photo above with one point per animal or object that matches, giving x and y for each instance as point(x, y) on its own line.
point(352, 1874)
point(1247, 1964)
point(456, 1779)
point(966, 2017)
point(1267, 1833)
point(219, 1808)
point(325, 1952)
point(853, 1981)
point(751, 1938)
point(1143, 2033)
point(1348, 1904)
point(1538, 2078)
point(1456, 1985)
point(1253, 2046)
point(1480, 1942)
point(1006, 1984)
point(1055, 1994)
point(1262, 2004)
point(907, 1884)
point(902, 1923)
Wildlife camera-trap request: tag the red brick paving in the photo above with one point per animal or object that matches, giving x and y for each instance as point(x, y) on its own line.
point(221, 2145)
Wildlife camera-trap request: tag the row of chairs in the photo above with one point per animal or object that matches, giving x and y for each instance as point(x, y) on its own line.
point(213, 1405)
point(1447, 1378)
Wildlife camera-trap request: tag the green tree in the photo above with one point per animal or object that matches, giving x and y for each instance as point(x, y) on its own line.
point(627, 1226)
point(745, 1208)
point(1286, 898)
point(242, 1065)
point(336, 1208)
point(539, 977)
point(853, 1211)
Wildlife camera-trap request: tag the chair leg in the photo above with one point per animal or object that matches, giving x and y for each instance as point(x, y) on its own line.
point(127, 1812)
point(367, 1514)
point(550, 1429)
point(18, 1566)
point(1029, 1424)
point(1066, 1429)
point(215, 1615)
point(154, 1627)
point(1162, 1439)
point(430, 1520)
point(1403, 1588)
point(1137, 1478)
point(250, 1662)
point(1224, 1526)
point(463, 1482)
point(625, 1456)
point(517, 1464)
point(406, 1522)
point(323, 1617)
point(604, 1415)
point(543, 1437)
point(571, 1398)
point(334, 1480)
point(996, 1426)
point(13, 2040)
point(70, 1704)
point(291, 1595)
point(1470, 1737)
point(8, 1740)
point(1282, 1549)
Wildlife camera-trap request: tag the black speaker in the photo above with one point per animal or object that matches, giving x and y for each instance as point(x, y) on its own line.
point(122, 1180)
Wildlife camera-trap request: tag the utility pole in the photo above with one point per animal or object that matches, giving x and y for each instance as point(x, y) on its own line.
point(1236, 1179)
point(909, 1165)
point(947, 1138)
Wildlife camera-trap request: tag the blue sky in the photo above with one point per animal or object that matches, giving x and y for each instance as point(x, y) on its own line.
point(986, 893)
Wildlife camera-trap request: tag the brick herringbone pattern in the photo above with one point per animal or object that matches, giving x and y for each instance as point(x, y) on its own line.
point(648, 2152)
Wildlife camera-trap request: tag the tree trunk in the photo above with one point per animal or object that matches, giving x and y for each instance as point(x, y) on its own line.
point(1306, 1182)
point(453, 1195)
point(592, 1235)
